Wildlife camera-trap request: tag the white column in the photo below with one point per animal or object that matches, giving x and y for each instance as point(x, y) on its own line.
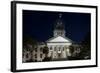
point(38, 53)
point(68, 51)
point(53, 51)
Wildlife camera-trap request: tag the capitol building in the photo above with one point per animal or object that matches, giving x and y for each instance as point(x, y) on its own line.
point(58, 46)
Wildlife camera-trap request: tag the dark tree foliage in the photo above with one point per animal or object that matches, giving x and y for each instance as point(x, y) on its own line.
point(29, 43)
point(71, 49)
point(74, 55)
point(47, 59)
point(86, 50)
point(46, 51)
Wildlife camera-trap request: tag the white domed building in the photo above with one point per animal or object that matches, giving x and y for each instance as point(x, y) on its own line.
point(59, 44)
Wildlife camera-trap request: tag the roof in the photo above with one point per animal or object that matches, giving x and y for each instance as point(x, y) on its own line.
point(59, 39)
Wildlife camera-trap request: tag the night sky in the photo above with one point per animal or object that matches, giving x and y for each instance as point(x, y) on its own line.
point(40, 24)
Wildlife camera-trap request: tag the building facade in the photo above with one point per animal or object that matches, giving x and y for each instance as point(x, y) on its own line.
point(35, 54)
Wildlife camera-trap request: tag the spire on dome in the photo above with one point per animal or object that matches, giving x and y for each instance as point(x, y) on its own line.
point(60, 15)
point(59, 29)
point(59, 24)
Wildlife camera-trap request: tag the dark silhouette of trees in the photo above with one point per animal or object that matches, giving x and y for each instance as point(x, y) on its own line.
point(29, 45)
point(71, 49)
point(86, 50)
point(46, 51)
point(29, 42)
point(75, 51)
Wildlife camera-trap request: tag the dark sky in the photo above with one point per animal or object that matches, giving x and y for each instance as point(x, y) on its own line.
point(40, 24)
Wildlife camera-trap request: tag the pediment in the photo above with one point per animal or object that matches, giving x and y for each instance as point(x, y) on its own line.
point(59, 39)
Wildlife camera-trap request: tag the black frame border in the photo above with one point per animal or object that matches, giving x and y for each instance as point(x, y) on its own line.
point(13, 35)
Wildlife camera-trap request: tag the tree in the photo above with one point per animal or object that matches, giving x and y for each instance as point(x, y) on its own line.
point(29, 45)
point(46, 51)
point(71, 49)
point(86, 50)
point(29, 42)
point(75, 52)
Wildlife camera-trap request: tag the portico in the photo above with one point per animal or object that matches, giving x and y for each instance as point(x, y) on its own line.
point(59, 47)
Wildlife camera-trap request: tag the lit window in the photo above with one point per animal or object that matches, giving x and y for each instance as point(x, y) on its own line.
point(67, 50)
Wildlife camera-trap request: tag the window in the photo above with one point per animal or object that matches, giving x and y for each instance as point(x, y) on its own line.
point(41, 49)
point(59, 48)
point(59, 55)
point(63, 48)
point(40, 55)
point(35, 55)
point(50, 48)
point(54, 48)
point(35, 49)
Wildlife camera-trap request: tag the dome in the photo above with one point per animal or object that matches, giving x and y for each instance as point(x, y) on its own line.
point(59, 29)
point(59, 25)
